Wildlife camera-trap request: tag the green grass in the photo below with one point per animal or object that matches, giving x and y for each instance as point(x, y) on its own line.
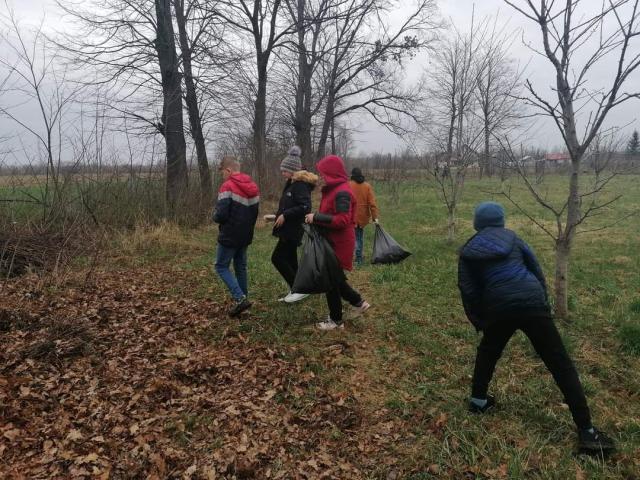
point(413, 354)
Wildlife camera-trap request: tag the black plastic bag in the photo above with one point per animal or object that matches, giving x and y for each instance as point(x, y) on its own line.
point(386, 249)
point(319, 270)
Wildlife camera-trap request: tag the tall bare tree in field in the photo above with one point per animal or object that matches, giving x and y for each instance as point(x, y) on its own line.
point(311, 19)
point(569, 31)
point(186, 13)
point(498, 85)
point(453, 126)
point(173, 127)
point(131, 45)
point(30, 74)
point(362, 72)
point(263, 22)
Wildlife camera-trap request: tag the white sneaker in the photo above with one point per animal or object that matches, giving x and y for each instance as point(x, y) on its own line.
point(359, 311)
point(328, 324)
point(284, 299)
point(295, 297)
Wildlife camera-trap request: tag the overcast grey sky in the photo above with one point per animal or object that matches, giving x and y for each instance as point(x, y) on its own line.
point(373, 138)
point(543, 133)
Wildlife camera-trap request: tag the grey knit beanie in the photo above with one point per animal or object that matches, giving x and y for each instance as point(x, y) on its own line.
point(292, 162)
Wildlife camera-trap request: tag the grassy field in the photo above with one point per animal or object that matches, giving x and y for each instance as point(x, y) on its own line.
point(404, 369)
point(413, 354)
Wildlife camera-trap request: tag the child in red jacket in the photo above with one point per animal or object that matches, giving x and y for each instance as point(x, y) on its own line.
point(337, 216)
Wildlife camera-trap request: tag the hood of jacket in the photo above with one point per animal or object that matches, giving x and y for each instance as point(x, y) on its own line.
point(332, 170)
point(245, 184)
point(491, 243)
point(306, 177)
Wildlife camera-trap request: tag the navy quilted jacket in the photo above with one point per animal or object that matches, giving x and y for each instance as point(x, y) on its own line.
point(498, 277)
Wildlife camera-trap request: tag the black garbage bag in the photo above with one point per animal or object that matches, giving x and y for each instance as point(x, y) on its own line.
point(386, 249)
point(319, 270)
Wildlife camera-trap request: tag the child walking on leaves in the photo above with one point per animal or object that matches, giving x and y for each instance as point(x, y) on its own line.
point(503, 290)
point(236, 213)
point(295, 203)
point(337, 218)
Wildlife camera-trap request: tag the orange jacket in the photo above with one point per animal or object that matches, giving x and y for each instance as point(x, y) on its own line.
point(366, 207)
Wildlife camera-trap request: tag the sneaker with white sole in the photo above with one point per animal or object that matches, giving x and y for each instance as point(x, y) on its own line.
point(295, 297)
point(284, 297)
point(329, 324)
point(359, 310)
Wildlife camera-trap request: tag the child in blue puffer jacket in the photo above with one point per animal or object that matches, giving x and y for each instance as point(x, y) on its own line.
point(503, 290)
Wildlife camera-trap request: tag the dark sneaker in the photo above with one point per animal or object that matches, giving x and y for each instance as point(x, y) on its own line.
point(593, 441)
point(491, 402)
point(239, 307)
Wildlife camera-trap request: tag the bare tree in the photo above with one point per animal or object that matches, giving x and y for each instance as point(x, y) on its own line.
point(131, 45)
point(362, 72)
point(261, 21)
point(565, 30)
point(31, 76)
point(193, 14)
point(311, 19)
point(453, 126)
point(498, 84)
point(172, 128)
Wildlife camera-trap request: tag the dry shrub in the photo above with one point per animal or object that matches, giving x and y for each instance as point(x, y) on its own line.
point(35, 250)
point(163, 237)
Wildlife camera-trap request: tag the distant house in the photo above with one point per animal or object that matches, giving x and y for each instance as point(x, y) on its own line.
point(557, 159)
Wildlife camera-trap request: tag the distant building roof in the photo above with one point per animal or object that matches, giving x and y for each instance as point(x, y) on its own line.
point(557, 156)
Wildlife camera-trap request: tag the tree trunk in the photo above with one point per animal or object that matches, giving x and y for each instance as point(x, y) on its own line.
point(487, 167)
point(333, 136)
point(173, 129)
point(563, 251)
point(206, 187)
point(326, 125)
point(565, 242)
point(260, 119)
point(451, 225)
point(303, 92)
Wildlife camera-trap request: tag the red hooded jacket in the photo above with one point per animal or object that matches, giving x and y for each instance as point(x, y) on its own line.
point(337, 209)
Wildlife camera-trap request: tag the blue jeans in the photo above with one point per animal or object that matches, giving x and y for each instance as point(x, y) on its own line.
point(359, 244)
point(237, 284)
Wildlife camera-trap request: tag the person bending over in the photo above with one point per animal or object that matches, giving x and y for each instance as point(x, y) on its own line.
point(503, 290)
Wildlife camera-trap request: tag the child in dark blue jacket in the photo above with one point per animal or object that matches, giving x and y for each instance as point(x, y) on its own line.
point(503, 290)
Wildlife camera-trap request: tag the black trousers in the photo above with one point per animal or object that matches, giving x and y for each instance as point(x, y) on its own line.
point(334, 300)
point(547, 343)
point(285, 259)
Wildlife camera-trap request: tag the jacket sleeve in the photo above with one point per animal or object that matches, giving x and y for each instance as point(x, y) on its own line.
point(223, 206)
point(531, 262)
point(301, 197)
point(342, 218)
point(470, 292)
point(373, 206)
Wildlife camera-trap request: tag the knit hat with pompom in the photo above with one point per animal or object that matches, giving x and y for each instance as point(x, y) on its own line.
point(292, 162)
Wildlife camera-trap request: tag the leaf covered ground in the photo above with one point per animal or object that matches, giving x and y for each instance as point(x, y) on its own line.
point(135, 371)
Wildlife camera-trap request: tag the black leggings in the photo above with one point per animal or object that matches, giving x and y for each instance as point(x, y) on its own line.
point(335, 296)
point(547, 342)
point(285, 259)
